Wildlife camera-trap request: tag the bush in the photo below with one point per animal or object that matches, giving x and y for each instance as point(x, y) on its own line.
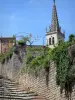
point(21, 42)
point(71, 37)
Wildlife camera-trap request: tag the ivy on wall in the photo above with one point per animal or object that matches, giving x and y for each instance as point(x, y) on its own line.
point(6, 55)
point(40, 57)
point(37, 58)
point(64, 67)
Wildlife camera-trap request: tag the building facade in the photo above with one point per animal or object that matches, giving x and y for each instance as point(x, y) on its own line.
point(54, 34)
point(6, 43)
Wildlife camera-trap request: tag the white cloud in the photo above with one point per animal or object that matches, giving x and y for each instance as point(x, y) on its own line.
point(12, 16)
point(30, 1)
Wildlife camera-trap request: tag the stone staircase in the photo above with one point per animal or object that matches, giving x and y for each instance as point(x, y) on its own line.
point(9, 90)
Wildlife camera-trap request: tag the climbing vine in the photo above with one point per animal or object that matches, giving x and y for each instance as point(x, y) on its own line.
point(6, 55)
point(40, 57)
point(62, 61)
point(37, 58)
point(64, 67)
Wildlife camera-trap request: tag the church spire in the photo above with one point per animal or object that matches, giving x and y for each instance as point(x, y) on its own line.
point(54, 35)
point(54, 22)
point(54, 1)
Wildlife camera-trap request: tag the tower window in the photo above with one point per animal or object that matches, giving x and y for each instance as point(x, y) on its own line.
point(53, 40)
point(4, 42)
point(49, 41)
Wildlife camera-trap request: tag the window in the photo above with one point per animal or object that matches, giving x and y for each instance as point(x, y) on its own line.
point(53, 40)
point(49, 41)
point(4, 42)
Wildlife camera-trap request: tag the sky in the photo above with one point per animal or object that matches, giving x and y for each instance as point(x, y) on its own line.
point(33, 16)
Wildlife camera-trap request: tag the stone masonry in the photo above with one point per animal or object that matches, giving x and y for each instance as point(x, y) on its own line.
point(44, 83)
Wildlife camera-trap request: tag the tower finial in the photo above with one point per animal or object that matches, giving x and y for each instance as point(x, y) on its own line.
point(54, 1)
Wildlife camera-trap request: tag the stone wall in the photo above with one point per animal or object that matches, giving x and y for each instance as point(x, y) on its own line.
point(11, 67)
point(43, 82)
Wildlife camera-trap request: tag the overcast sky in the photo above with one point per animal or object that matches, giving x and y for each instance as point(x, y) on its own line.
point(33, 16)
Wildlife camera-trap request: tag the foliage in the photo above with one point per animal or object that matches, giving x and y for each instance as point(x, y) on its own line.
point(64, 68)
point(26, 39)
point(6, 56)
point(21, 42)
point(37, 58)
point(40, 57)
point(71, 37)
point(34, 49)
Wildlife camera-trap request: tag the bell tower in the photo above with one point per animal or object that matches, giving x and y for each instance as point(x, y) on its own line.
point(54, 34)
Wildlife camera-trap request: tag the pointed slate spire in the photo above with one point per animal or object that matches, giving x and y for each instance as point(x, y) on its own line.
point(54, 1)
point(54, 23)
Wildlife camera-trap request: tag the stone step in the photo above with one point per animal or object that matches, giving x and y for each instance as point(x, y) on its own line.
point(15, 89)
point(11, 91)
point(20, 92)
point(14, 98)
point(21, 98)
point(16, 95)
point(11, 83)
point(11, 88)
point(1, 88)
point(22, 95)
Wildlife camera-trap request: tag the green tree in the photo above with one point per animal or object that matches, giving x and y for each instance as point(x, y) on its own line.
point(71, 37)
